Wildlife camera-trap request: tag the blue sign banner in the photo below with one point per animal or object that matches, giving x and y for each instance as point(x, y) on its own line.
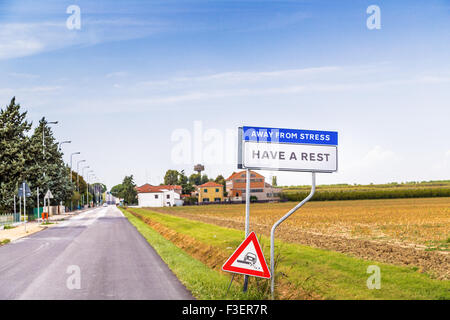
point(295, 136)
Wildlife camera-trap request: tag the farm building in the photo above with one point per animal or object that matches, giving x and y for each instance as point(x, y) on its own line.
point(235, 186)
point(210, 192)
point(159, 196)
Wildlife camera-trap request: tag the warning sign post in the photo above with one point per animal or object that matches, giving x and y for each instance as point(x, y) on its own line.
point(248, 259)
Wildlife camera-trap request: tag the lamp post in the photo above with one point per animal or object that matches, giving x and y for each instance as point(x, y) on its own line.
point(88, 176)
point(70, 174)
point(43, 135)
point(78, 174)
point(82, 173)
point(71, 156)
point(43, 139)
point(62, 142)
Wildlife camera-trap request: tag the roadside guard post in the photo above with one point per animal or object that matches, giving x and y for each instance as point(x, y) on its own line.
point(279, 149)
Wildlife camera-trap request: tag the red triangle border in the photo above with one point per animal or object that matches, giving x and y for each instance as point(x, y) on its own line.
point(228, 264)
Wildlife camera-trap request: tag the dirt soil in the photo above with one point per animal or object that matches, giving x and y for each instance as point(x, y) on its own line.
point(211, 255)
point(437, 264)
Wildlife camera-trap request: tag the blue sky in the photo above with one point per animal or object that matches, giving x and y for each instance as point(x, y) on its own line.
point(137, 74)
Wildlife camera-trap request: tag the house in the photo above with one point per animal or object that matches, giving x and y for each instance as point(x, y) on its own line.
point(210, 192)
point(236, 184)
point(159, 196)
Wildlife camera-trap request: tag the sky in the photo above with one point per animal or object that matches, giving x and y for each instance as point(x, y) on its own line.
point(146, 86)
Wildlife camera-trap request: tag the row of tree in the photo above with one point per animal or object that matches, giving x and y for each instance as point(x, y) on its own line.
point(174, 177)
point(36, 159)
point(127, 189)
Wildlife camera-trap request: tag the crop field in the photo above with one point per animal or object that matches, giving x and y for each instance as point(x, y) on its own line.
point(409, 232)
point(426, 189)
point(195, 251)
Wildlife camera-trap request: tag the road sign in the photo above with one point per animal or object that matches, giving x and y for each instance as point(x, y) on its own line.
point(248, 259)
point(281, 149)
point(296, 136)
point(48, 195)
point(27, 190)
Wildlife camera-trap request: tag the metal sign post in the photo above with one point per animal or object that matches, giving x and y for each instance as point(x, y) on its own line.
point(247, 217)
point(37, 202)
point(24, 208)
point(48, 196)
point(276, 224)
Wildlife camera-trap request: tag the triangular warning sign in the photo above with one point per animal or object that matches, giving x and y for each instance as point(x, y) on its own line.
point(248, 259)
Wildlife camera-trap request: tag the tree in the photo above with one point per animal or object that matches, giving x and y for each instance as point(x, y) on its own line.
point(221, 180)
point(47, 170)
point(128, 192)
point(171, 177)
point(195, 179)
point(117, 190)
point(14, 146)
point(274, 181)
point(183, 181)
point(205, 179)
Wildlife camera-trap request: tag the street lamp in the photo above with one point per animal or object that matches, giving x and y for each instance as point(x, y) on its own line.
point(82, 174)
point(78, 174)
point(88, 177)
point(59, 145)
point(71, 155)
point(43, 135)
point(82, 170)
point(70, 174)
point(43, 140)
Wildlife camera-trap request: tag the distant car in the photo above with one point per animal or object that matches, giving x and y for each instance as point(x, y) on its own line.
point(105, 204)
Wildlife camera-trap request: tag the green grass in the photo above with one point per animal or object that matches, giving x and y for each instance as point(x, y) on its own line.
point(203, 282)
point(6, 227)
point(4, 241)
point(331, 275)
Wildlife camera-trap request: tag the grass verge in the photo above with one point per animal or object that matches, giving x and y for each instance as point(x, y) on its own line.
point(203, 282)
point(317, 272)
point(4, 241)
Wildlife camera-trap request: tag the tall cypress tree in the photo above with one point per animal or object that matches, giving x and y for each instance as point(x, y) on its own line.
point(46, 168)
point(14, 148)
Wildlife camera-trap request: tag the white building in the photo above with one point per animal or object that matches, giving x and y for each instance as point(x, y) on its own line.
point(158, 196)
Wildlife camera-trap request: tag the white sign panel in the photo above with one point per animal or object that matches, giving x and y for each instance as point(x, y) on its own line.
point(289, 157)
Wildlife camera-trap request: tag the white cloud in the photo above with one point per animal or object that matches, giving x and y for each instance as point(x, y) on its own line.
point(23, 75)
point(236, 76)
point(29, 38)
point(116, 74)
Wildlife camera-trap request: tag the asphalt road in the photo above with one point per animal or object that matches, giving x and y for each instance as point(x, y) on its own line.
point(97, 254)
